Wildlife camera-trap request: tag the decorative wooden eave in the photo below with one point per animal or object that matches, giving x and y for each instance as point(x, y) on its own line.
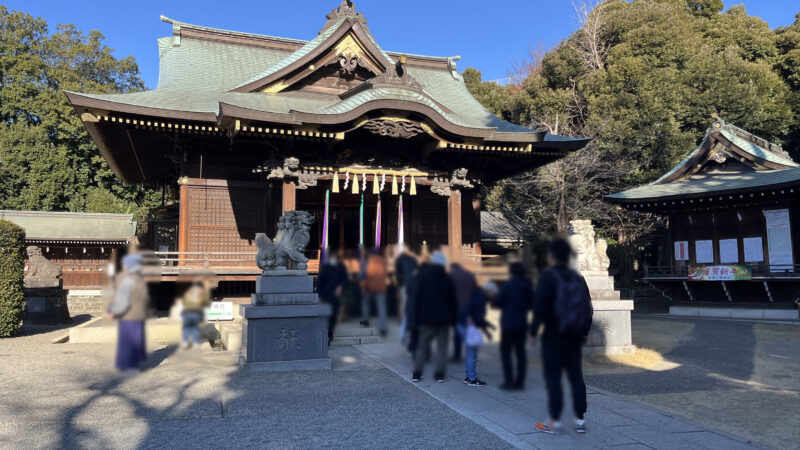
point(350, 40)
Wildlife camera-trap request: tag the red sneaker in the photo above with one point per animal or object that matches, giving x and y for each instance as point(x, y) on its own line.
point(548, 428)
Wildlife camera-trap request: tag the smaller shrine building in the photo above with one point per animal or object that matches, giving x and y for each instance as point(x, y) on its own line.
point(730, 208)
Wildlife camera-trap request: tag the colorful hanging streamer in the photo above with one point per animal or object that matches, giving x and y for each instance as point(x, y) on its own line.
point(378, 225)
point(325, 228)
point(400, 232)
point(361, 223)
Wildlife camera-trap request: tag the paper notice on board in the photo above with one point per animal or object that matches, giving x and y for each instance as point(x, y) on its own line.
point(779, 240)
point(704, 251)
point(682, 251)
point(753, 249)
point(728, 251)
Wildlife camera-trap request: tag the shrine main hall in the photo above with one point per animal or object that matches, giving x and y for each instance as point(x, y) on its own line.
point(381, 147)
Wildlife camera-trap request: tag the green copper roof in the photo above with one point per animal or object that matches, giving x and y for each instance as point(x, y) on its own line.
point(45, 225)
point(199, 73)
point(711, 184)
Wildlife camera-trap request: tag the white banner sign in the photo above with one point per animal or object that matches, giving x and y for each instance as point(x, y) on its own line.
point(682, 251)
point(728, 251)
point(753, 250)
point(219, 311)
point(704, 250)
point(779, 240)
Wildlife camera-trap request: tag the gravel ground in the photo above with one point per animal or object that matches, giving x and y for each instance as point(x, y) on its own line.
point(738, 376)
point(67, 396)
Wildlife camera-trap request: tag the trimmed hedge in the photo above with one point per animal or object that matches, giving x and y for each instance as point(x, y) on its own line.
point(12, 266)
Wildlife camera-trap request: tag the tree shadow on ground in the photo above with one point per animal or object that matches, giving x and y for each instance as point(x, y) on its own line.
point(710, 357)
point(31, 329)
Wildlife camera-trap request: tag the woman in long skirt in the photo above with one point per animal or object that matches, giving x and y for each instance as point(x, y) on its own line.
point(130, 308)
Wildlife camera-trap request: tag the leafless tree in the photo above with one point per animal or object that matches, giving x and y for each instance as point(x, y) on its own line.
point(522, 69)
point(588, 41)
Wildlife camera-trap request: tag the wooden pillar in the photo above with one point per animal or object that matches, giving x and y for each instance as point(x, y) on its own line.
point(183, 217)
point(454, 222)
point(476, 208)
point(289, 195)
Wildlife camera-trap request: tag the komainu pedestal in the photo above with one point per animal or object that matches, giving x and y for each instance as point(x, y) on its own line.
point(285, 327)
point(611, 326)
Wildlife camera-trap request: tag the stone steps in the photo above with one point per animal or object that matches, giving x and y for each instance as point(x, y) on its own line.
point(605, 295)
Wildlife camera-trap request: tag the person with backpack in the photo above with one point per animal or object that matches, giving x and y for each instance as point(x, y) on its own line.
point(515, 299)
point(564, 307)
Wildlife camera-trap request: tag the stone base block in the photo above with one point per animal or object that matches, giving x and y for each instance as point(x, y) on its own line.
point(602, 282)
point(611, 328)
point(284, 284)
point(285, 337)
point(284, 299)
point(282, 366)
point(46, 305)
point(735, 313)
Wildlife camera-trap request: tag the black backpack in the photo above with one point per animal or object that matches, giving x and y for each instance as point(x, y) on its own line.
point(573, 304)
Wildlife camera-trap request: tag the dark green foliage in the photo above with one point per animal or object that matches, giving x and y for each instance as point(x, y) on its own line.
point(642, 78)
point(12, 261)
point(47, 159)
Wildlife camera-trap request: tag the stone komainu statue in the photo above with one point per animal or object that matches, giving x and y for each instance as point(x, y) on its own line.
point(41, 272)
point(288, 245)
point(591, 253)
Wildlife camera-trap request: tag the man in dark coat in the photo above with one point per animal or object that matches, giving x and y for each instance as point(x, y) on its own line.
point(434, 312)
point(516, 300)
point(332, 280)
point(464, 283)
point(561, 352)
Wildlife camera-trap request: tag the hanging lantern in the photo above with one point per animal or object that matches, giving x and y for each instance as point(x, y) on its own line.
point(375, 189)
point(394, 185)
point(413, 188)
point(335, 187)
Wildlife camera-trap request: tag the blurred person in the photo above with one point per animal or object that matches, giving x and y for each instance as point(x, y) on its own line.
point(333, 279)
point(404, 267)
point(411, 329)
point(515, 299)
point(464, 283)
point(373, 286)
point(194, 302)
point(129, 306)
point(471, 320)
point(563, 305)
point(435, 312)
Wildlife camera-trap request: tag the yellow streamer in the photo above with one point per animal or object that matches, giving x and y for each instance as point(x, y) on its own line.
point(375, 188)
point(394, 185)
point(355, 184)
point(335, 188)
point(413, 190)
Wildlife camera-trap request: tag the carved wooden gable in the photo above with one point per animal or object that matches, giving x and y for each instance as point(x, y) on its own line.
point(343, 56)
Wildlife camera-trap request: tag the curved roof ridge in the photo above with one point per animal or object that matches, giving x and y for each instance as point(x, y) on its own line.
point(178, 24)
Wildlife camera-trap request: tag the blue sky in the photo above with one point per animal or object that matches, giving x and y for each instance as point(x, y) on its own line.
point(488, 35)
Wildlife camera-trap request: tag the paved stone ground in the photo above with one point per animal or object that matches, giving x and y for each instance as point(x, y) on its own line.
point(612, 420)
point(68, 396)
point(738, 376)
point(715, 372)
